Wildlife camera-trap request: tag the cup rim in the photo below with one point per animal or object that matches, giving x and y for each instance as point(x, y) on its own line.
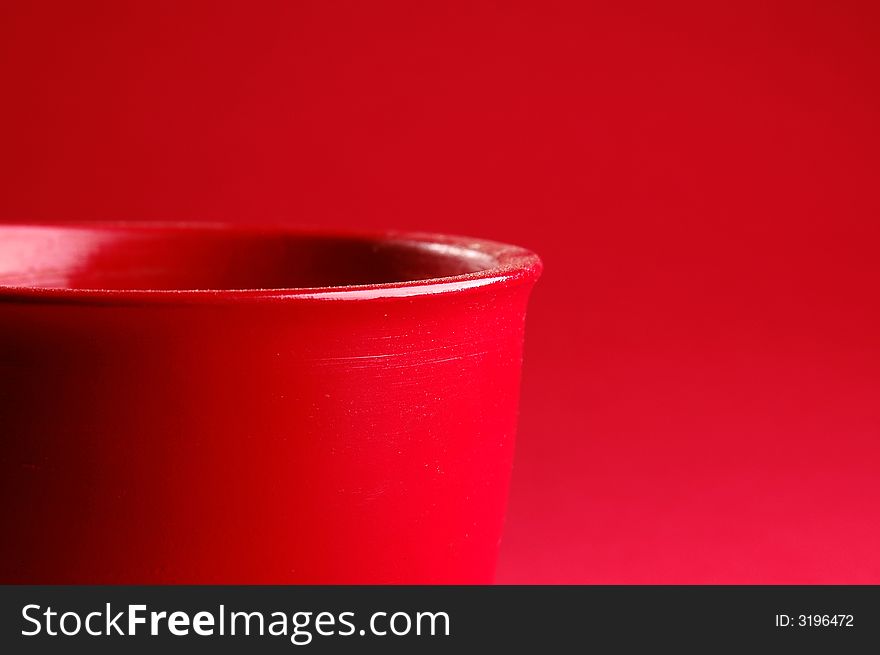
point(509, 265)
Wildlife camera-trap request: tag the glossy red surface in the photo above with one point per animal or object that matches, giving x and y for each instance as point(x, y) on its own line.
point(218, 405)
point(700, 388)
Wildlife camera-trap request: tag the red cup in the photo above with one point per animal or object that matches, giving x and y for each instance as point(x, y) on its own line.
point(217, 404)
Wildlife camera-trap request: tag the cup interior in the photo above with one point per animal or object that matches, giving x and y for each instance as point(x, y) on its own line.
point(210, 258)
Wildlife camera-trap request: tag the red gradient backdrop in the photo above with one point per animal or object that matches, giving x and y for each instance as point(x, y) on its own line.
point(701, 399)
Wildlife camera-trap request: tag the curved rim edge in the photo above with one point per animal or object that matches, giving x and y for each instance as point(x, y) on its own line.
point(512, 264)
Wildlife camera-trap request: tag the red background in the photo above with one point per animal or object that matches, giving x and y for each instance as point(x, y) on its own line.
point(701, 399)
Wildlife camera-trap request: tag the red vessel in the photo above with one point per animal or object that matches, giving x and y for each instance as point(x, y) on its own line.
point(217, 404)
